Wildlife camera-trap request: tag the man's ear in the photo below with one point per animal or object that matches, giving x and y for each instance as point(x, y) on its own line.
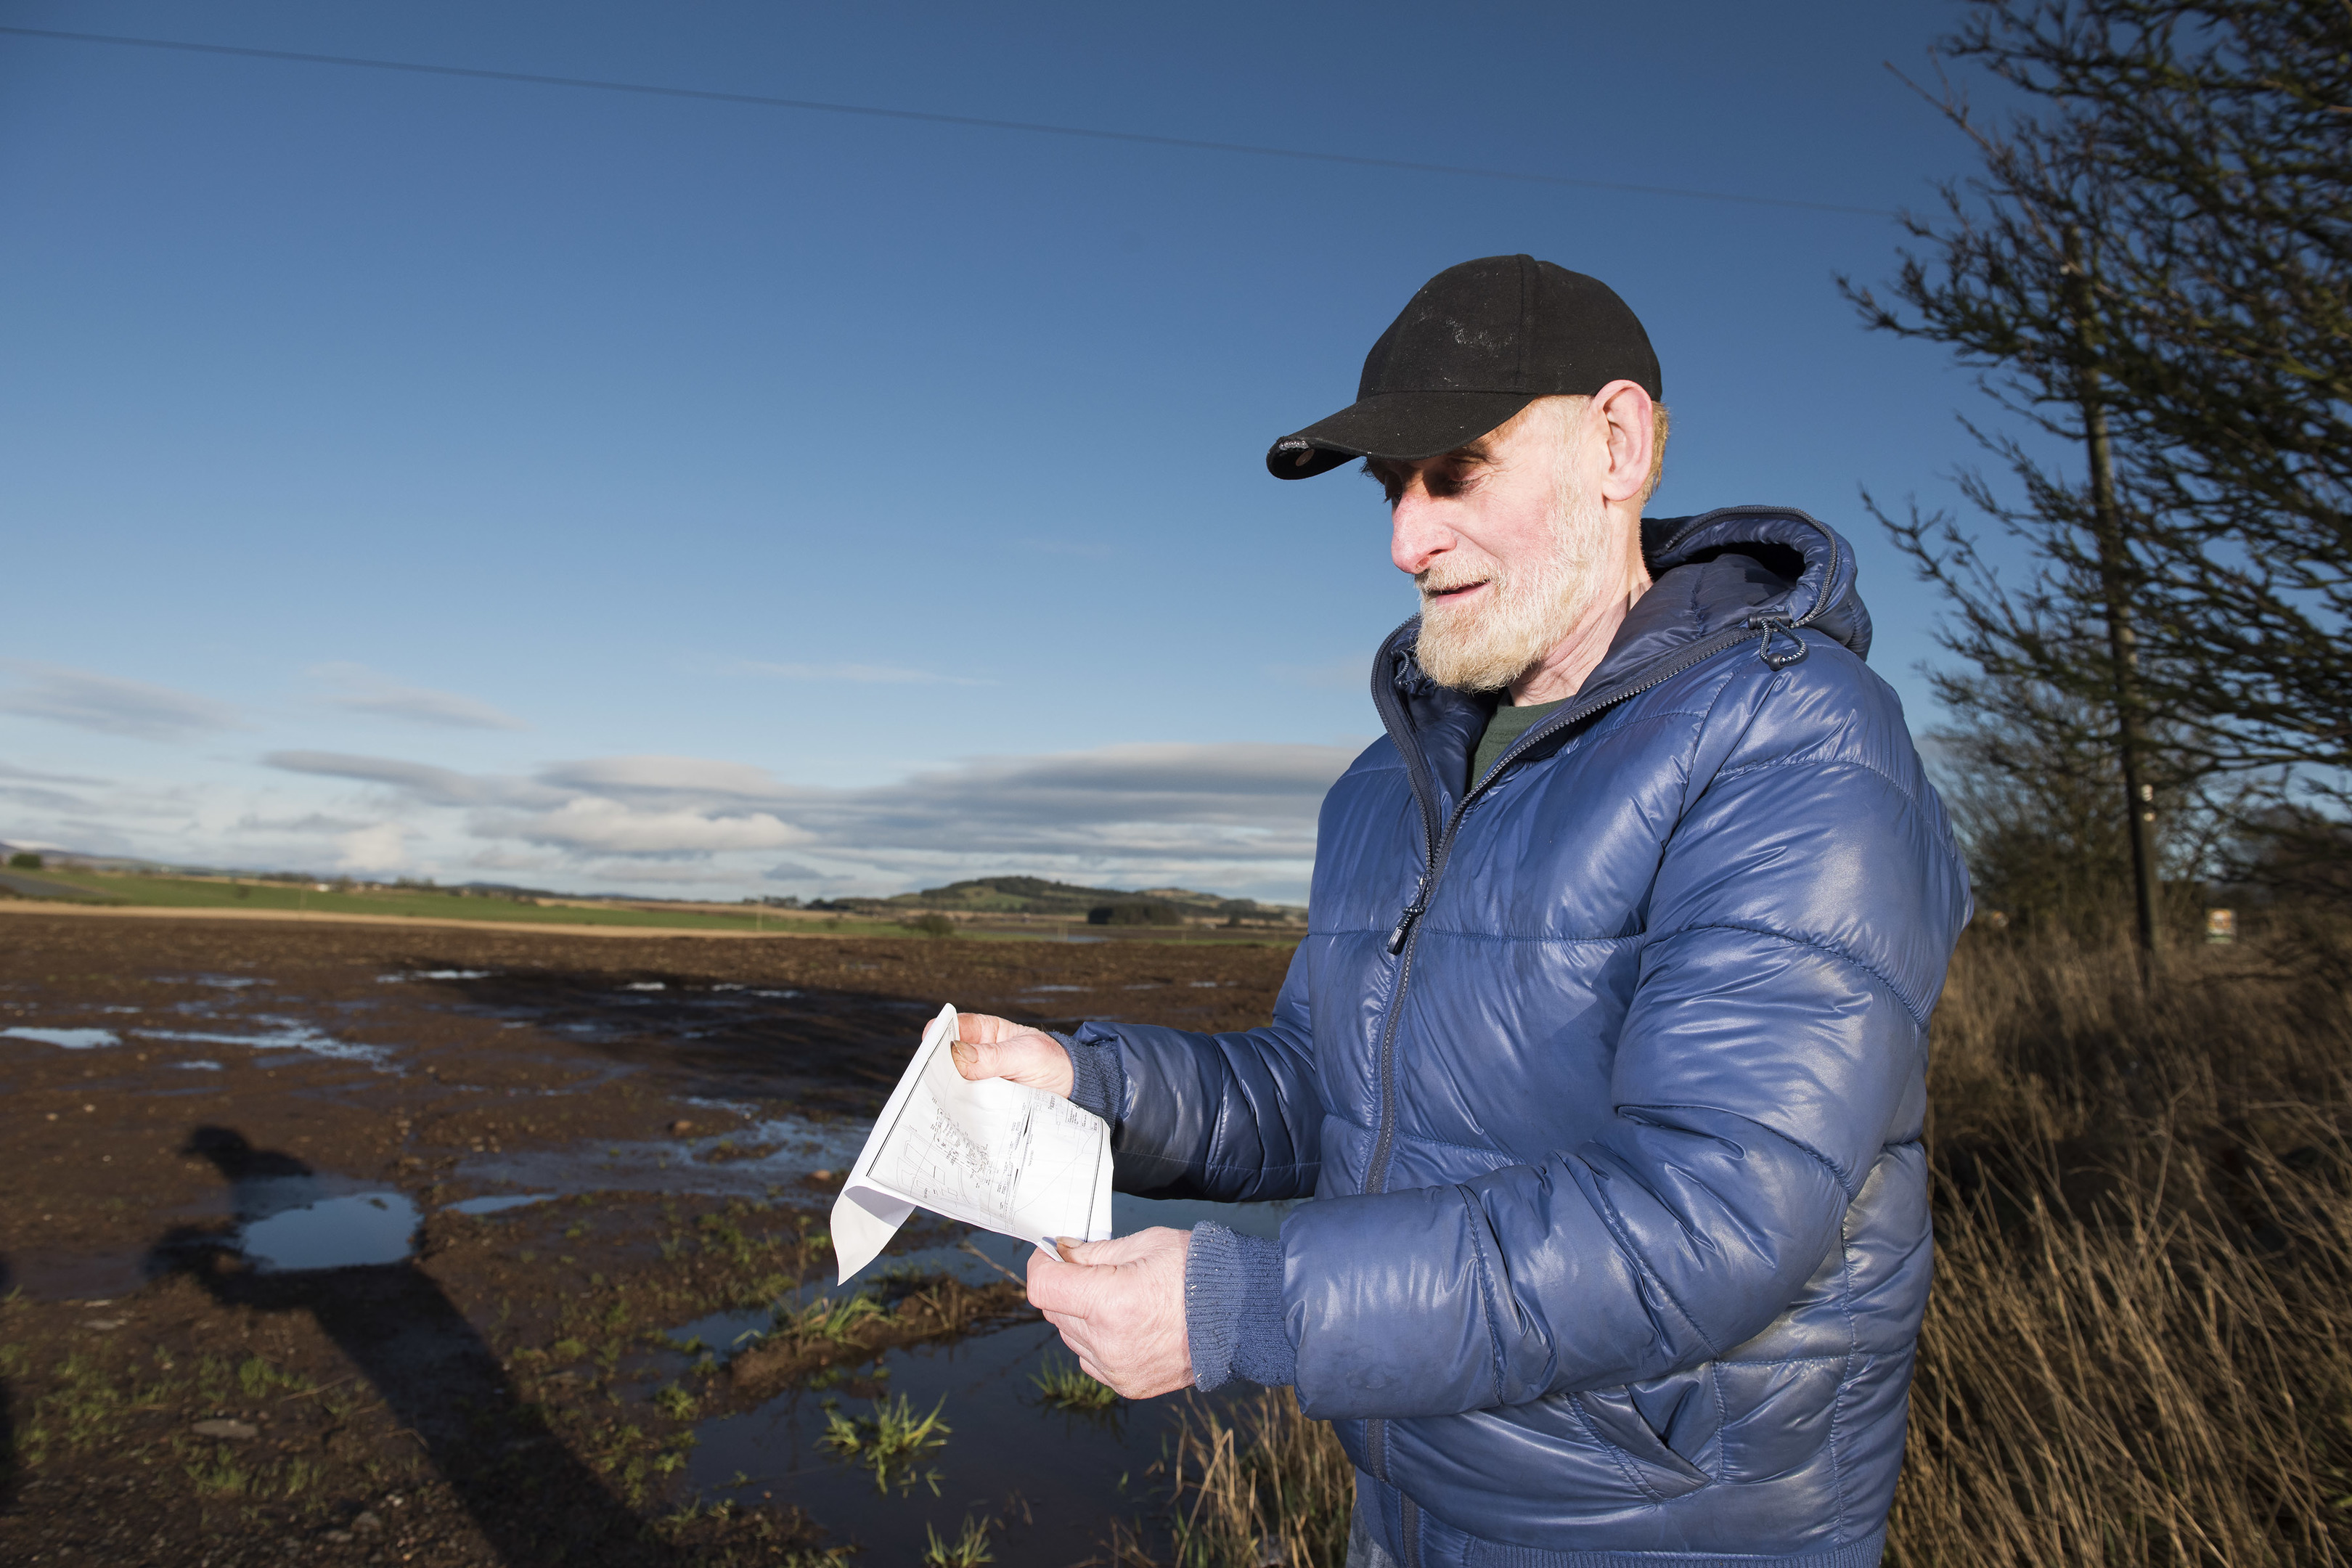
point(1628, 420)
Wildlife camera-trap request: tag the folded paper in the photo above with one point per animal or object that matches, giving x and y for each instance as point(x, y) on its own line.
point(993, 1154)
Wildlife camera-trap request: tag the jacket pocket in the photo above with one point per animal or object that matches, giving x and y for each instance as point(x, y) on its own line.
point(1664, 1431)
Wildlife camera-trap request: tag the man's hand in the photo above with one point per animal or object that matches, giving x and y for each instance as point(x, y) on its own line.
point(998, 1047)
point(1120, 1306)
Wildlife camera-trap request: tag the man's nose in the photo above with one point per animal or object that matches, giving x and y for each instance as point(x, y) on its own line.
point(1417, 532)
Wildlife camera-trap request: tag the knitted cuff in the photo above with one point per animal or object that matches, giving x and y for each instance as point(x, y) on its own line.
point(1232, 1310)
point(1098, 1075)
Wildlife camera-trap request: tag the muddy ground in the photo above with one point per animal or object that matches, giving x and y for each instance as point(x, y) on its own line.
point(262, 1303)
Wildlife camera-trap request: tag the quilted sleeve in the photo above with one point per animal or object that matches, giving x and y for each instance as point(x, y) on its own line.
point(1232, 1116)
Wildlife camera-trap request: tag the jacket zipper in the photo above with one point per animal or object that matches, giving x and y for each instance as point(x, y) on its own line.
point(1404, 937)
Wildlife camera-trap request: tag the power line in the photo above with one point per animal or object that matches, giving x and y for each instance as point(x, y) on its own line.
point(816, 106)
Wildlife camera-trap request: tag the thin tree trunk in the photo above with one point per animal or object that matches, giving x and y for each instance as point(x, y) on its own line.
point(2123, 649)
point(2123, 642)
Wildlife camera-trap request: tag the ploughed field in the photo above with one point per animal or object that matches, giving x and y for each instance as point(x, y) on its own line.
point(375, 1244)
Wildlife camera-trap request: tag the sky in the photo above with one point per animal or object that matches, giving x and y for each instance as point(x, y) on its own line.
point(411, 475)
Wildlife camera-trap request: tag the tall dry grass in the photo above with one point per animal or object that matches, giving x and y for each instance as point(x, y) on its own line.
point(2138, 1350)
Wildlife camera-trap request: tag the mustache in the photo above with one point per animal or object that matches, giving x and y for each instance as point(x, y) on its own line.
point(1437, 580)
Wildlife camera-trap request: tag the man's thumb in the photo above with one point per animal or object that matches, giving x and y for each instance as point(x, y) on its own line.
point(976, 1061)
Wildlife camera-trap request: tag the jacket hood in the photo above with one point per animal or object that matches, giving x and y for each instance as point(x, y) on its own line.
point(1708, 574)
point(1721, 574)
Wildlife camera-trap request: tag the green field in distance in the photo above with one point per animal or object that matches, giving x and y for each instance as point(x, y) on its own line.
point(194, 894)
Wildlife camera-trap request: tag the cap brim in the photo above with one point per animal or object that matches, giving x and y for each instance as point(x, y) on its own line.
point(1405, 425)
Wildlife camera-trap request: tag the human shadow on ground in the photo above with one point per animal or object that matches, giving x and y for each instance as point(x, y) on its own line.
point(532, 1500)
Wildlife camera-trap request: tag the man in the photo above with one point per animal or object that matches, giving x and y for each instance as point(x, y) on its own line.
point(1603, 1057)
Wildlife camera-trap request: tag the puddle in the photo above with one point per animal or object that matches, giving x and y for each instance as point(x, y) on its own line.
point(645, 985)
point(198, 1063)
point(722, 1331)
point(1074, 1471)
point(333, 1233)
point(289, 1035)
point(433, 974)
point(671, 1165)
point(501, 1203)
point(66, 1039)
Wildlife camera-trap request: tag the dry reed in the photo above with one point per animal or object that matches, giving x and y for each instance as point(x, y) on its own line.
point(2138, 1350)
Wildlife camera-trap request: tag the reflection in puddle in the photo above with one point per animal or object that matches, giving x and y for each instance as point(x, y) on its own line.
point(333, 1233)
point(670, 1165)
point(67, 1039)
point(501, 1203)
point(287, 1035)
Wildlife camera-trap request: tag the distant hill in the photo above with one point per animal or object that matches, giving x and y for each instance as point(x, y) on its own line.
point(1038, 896)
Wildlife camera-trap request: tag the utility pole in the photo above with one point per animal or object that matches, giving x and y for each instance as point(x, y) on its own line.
point(2123, 642)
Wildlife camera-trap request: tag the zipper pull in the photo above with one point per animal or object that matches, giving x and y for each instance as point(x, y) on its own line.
point(1404, 921)
point(1769, 622)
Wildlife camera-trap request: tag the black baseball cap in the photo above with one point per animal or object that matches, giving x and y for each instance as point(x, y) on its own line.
point(1478, 343)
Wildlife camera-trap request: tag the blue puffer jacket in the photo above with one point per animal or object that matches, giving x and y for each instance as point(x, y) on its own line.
point(1607, 1074)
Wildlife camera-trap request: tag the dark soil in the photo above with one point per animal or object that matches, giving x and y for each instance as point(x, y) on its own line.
point(508, 1392)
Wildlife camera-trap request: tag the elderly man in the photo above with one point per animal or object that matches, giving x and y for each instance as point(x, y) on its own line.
point(1603, 1056)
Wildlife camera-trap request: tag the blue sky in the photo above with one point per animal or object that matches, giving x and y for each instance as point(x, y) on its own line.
point(412, 475)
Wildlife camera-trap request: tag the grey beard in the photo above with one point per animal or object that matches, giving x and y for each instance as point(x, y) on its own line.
point(1533, 609)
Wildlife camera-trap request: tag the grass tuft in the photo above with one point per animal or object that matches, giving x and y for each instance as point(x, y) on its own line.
point(968, 1550)
point(892, 1442)
point(1066, 1387)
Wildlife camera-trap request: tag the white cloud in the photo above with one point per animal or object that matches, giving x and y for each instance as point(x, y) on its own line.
point(111, 706)
point(10, 770)
point(655, 775)
point(309, 822)
point(858, 674)
point(427, 783)
point(1231, 814)
point(365, 692)
point(34, 796)
point(1236, 817)
point(611, 827)
point(381, 848)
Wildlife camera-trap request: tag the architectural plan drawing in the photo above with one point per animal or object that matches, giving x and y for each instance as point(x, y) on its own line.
point(1007, 1158)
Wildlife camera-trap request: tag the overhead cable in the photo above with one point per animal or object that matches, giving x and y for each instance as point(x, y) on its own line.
point(817, 106)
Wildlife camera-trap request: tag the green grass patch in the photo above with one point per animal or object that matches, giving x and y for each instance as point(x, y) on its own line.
point(418, 903)
point(968, 1550)
point(892, 1442)
point(1064, 1387)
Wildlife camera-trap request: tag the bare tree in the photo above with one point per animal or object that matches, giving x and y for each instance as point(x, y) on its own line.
point(2151, 267)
